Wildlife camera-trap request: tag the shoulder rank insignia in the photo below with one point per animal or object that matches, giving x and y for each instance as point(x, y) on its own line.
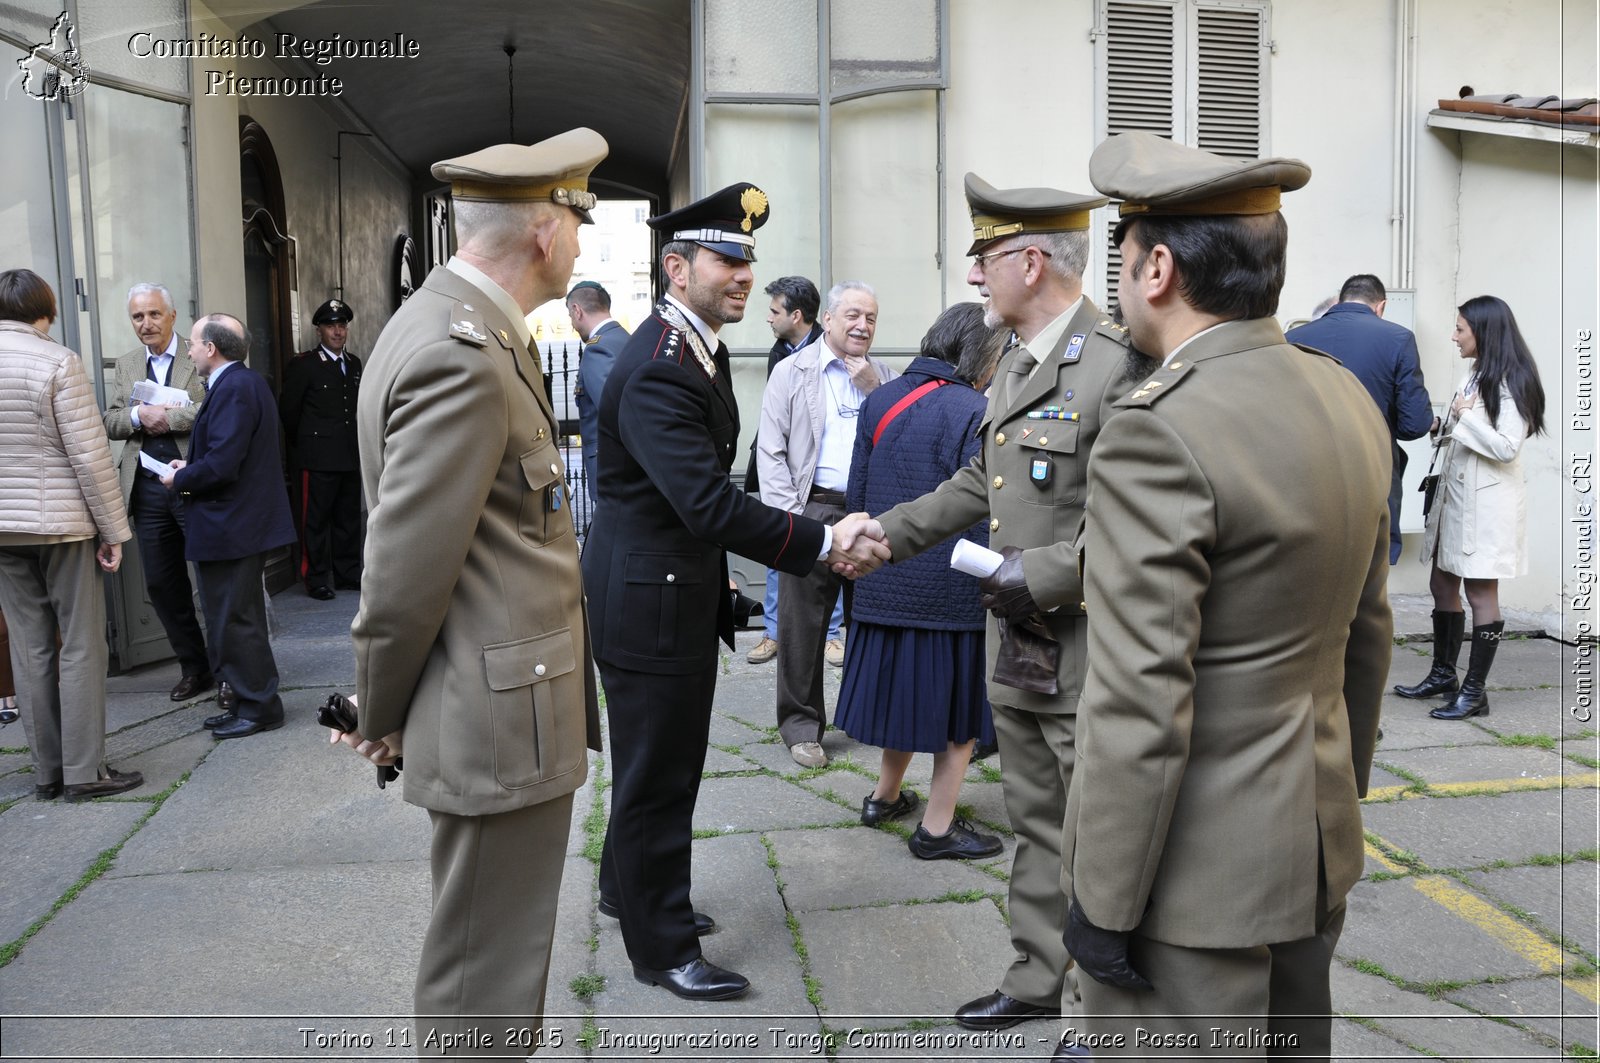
point(1074, 347)
point(1159, 383)
point(467, 326)
point(1112, 331)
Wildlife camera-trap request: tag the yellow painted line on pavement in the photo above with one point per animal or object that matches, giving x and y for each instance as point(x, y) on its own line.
point(1515, 937)
point(1587, 781)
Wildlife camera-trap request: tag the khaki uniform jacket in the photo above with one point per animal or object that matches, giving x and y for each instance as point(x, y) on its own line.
point(1043, 522)
point(126, 440)
point(471, 633)
point(1235, 561)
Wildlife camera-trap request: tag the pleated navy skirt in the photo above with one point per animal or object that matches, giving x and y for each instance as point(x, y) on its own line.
point(913, 689)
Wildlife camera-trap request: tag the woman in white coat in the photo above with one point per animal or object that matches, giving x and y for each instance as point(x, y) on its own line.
point(1476, 526)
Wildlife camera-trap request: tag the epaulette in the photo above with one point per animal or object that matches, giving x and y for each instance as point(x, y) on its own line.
point(1112, 331)
point(1157, 384)
point(466, 325)
point(671, 345)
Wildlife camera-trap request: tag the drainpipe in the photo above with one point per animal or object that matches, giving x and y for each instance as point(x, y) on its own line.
point(1403, 184)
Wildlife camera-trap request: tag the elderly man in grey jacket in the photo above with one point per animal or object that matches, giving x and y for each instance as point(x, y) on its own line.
point(803, 452)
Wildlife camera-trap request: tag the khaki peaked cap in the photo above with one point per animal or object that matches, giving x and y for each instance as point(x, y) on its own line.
point(1153, 175)
point(1001, 212)
point(555, 170)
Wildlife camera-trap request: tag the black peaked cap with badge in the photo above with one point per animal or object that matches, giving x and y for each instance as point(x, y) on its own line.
point(1152, 175)
point(724, 221)
point(1001, 212)
point(554, 170)
point(333, 311)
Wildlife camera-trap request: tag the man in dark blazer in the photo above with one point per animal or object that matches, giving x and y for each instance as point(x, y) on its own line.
point(471, 644)
point(589, 309)
point(235, 511)
point(318, 403)
point(1239, 635)
point(656, 571)
point(1383, 356)
point(162, 431)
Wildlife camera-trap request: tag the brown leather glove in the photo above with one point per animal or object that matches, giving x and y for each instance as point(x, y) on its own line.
point(1005, 592)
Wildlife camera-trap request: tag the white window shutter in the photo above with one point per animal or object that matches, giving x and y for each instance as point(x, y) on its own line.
point(1228, 86)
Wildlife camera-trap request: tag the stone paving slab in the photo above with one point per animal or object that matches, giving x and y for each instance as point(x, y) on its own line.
point(281, 947)
point(1468, 1037)
point(905, 962)
point(305, 802)
point(718, 761)
point(570, 954)
point(1529, 712)
point(1524, 825)
point(733, 885)
point(1407, 725)
point(1413, 937)
point(762, 804)
point(129, 710)
point(164, 765)
point(730, 731)
point(157, 730)
point(1353, 1041)
point(1560, 898)
point(861, 866)
point(49, 845)
point(1480, 763)
point(1543, 1005)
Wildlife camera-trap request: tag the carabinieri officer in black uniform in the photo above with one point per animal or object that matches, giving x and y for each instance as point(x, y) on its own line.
point(318, 405)
point(656, 574)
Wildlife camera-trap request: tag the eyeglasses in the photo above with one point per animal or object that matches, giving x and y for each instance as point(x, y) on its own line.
point(983, 265)
point(189, 344)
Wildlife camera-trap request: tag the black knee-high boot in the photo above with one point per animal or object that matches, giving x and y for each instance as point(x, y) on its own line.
point(1448, 629)
point(1473, 698)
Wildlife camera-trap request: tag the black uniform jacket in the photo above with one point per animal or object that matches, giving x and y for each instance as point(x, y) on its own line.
point(654, 566)
point(318, 403)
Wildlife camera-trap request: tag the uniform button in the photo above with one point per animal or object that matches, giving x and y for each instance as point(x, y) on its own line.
point(555, 469)
point(671, 578)
point(1044, 441)
point(999, 439)
point(999, 482)
point(1084, 606)
point(1176, 365)
point(538, 669)
point(994, 525)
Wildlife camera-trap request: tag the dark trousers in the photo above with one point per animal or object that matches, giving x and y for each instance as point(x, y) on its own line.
point(804, 605)
point(158, 524)
point(236, 615)
point(659, 728)
point(332, 527)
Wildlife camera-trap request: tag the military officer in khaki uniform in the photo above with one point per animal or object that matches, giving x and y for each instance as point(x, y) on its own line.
point(1046, 405)
point(1239, 635)
point(472, 653)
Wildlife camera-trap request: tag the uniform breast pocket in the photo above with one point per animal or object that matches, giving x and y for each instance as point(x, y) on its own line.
point(658, 592)
point(544, 512)
point(1053, 474)
point(536, 708)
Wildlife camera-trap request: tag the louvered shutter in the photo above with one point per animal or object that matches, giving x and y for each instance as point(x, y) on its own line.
point(1185, 69)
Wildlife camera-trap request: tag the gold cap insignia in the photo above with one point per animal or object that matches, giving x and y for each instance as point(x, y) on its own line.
point(754, 204)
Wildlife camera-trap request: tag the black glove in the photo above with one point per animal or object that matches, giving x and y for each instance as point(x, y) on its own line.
point(1101, 954)
point(1005, 592)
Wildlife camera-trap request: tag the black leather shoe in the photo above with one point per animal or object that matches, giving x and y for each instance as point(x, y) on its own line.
point(874, 812)
point(47, 792)
point(1070, 1050)
point(322, 594)
point(699, 979)
point(190, 685)
point(984, 750)
point(113, 782)
point(703, 923)
point(1000, 1012)
point(242, 728)
point(211, 723)
point(960, 842)
point(226, 698)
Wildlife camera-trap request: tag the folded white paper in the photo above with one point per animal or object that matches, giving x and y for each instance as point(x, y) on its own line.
point(148, 392)
point(162, 469)
point(974, 560)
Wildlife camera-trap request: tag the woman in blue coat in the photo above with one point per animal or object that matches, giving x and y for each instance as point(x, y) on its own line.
point(914, 666)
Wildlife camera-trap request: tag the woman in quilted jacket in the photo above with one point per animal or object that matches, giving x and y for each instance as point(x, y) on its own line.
point(61, 521)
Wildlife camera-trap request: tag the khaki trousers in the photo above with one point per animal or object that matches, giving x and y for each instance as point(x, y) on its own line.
point(1036, 753)
point(486, 955)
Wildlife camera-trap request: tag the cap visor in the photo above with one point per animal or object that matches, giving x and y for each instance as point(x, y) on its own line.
point(739, 251)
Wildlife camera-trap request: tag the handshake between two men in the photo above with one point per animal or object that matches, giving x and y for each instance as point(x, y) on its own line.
point(859, 547)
